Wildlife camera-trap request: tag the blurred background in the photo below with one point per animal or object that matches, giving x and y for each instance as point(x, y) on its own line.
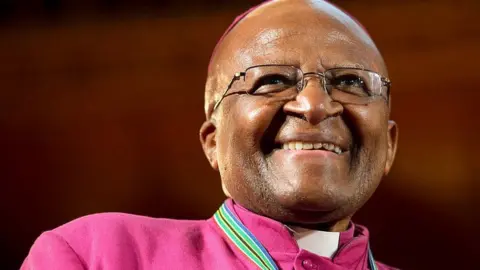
point(92, 119)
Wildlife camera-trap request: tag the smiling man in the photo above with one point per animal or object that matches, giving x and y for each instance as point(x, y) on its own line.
point(297, 123)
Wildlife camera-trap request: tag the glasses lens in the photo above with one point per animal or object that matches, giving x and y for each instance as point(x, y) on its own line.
point(261, 80)
point(353, 85)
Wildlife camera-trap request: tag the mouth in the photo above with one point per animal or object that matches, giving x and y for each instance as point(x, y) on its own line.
point(325, 146)
point(299, 145)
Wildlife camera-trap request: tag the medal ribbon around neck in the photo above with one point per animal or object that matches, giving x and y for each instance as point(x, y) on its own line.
point(243, 239)
point(249, 245)
point(371, 260)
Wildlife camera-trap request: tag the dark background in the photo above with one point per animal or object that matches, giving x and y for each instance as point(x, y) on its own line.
point(84, 126)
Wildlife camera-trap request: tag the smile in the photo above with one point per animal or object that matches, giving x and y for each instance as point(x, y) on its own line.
point(312, 146)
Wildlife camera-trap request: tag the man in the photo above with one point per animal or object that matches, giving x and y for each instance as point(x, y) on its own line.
point(297, 104)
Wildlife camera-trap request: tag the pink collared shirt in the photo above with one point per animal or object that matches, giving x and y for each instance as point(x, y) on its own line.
point(122, 241)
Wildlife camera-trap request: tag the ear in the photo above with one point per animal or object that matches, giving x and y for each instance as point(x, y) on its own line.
point(209, 142)
point(392, 145)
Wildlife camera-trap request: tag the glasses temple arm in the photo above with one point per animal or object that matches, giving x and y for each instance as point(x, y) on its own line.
point(236, 77)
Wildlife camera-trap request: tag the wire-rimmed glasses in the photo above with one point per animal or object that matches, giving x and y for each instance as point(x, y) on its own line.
point(344, 85)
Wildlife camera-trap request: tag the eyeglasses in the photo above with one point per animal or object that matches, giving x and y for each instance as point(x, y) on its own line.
point(344, 85)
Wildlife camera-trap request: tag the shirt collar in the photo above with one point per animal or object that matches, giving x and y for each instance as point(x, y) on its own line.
point(322, 243)
point(276, 237)
point(353, 247)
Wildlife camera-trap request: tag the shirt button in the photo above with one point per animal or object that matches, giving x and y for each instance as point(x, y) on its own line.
point(307, 264)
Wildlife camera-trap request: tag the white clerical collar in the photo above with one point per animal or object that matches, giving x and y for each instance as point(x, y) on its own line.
point(318, 242)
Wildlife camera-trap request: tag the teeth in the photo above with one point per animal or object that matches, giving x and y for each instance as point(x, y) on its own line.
point(298, 145)
point(291, 146)
point(317, 146)
point(310, 146)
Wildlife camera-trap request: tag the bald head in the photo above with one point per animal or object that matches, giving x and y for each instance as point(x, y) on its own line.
point(256, 34)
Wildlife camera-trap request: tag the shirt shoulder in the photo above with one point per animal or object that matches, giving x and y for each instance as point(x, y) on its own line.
point(118, 224)
point(120, 230)
point(116, 239)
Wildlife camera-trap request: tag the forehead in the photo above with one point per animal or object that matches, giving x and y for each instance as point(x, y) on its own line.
point(309, 34)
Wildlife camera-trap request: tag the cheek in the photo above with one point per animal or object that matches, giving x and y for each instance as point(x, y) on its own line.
point(242, 127)
point(371, 124)
point(250, 117)
point(240, 132)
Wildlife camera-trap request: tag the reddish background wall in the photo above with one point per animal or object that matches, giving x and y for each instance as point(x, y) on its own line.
point(84, 126)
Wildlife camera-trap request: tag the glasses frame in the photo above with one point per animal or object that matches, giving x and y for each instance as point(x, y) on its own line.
point(385, 81)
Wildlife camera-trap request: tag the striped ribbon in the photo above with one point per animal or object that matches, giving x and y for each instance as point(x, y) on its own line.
point(371, 260)
point(241, 237)
point(249, 245)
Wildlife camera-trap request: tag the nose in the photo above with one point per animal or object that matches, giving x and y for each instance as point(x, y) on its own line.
point(313, 103)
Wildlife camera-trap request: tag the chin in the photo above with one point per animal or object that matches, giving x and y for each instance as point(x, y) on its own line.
point(313, 202)
point(320, 202)
point(309, 215)
point(323, 192)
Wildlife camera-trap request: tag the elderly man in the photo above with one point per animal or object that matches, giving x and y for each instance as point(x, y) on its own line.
point(297, 108)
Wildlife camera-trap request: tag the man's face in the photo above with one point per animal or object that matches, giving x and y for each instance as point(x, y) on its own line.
point(300, 186)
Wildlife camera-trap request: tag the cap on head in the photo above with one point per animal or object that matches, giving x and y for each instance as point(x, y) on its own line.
point(232, 25)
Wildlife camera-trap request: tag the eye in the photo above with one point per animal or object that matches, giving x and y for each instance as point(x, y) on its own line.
point(273, 79)
point(350, 83)
point(272, 83)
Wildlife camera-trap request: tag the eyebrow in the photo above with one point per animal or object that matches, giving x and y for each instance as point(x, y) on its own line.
point(348, 65)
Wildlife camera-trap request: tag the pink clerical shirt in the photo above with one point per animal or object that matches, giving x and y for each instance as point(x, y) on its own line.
point(123, 241)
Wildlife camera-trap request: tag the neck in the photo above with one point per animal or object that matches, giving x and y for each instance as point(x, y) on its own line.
point(338, 226)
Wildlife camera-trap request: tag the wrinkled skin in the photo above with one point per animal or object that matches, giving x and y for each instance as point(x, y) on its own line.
point(240, 139)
